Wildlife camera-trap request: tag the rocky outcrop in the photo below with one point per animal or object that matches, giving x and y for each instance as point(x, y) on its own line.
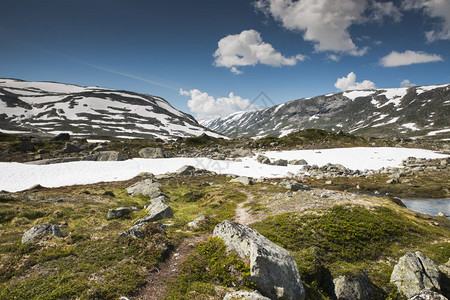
point(415, 272)
point(151, 153)
point(357, 287)
point(240, 295)
point(147, 187)
point(37, 233)
point(428, 295)
point(242, 179)
point(105, 156)
point(157, 210)
point(272, 269)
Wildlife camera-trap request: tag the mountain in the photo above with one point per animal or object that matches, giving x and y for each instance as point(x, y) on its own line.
point(51, 108)
point(422, 111)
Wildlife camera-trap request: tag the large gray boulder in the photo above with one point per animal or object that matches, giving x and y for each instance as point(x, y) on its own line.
point(37, 233)
point(242, 153)
point(415, 272)
point(272, 269)
point(107, 156)
point(428, 295)
point(263, 159)
point(240, 295)
point(157, 210)
point(357, 287)
point(151, 153)
point(119, 212)
point(186, 170)
point(242, 179)
point(147, 187)
point(72, 147)
point(298, 162)
point(280, 162)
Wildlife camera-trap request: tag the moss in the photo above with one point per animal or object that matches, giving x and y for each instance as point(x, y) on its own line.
point(208, 265)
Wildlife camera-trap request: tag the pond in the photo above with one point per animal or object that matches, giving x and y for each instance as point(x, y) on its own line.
point(429, 206)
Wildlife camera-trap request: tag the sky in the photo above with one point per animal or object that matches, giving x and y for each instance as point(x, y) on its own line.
point(210, 58)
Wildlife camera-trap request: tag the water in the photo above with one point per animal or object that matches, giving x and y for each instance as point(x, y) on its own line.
point(429, 206)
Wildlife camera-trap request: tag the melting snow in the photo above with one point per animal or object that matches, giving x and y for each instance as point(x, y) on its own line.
point(411, 126)
point(432, 133)
point(356, 94)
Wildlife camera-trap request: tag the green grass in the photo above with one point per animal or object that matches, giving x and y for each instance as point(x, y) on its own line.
point(208, 265)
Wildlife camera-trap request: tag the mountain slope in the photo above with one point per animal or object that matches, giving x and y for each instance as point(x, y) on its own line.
point(406, 112)
point(50, 108)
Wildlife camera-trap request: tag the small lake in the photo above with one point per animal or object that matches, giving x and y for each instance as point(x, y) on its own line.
point(429, 206)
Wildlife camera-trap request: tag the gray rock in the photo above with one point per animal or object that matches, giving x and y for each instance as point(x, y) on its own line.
point(37, 142)
point(72, 147)
point(136, 230)
point(36, 233)
point(415, 272)
point(119, 212)
point(196, 223)
point(298, 162)
point(107, 156)
point(151, 153)
point(280, 162)
point(51, 161)
point(145, 187)
point(292, 185)
point(428, 295)
point(445, 268)
point(272, 269)
point(242, 153)
point(186, 170)
point(358, 287)
point(242, 179)
point(157, 210)
point(263, 159)
point(240, 295)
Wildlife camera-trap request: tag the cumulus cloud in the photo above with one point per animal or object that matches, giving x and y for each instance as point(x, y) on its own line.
point(206, 107)
point(406, 83)
point(395, 59)
point(323, 22)
point(248, 49)
point(349, 83)
point(439, 9)
point(381, 10)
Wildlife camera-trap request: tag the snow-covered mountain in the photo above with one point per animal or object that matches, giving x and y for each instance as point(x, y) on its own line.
point(422, 111)
point(51, 108)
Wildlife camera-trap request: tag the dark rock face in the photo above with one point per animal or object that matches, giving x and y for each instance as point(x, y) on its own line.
point(62, 137)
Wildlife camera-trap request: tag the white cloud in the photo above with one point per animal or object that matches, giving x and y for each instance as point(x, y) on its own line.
point(206, 107)
point(323, 22)
point(380, 10)
point(395, 59)
point(248, 49)
point(439, 9)
point(349, 83)
point(406, 83)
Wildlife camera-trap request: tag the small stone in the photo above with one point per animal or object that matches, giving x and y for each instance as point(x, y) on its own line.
point(242, 179)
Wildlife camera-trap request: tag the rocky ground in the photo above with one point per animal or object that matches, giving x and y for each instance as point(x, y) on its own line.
point(194, 234)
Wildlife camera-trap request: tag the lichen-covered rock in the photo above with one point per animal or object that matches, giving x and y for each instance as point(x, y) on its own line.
point(240, 295)
point(242, 179)
point(146, 187)
point(36, 233)
point(272, 269)
point(263, 159)
point(357, 287)
point(151, 153)
point(118, 212)
point(428, 295)
point(415, 272)
point(157, 210)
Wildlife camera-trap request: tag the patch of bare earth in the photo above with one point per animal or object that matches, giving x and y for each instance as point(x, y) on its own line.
point(157, 282)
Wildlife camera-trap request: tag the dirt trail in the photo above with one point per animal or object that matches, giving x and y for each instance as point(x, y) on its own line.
point(157, 282)
point(242, 214)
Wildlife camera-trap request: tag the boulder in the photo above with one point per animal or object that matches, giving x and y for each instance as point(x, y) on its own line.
point(107, 156)
point(119, 212)
point(263, 159)
point(280, 162)
point(415, 272)
point(151, 153)
point(272, 269)
point(36, 233)
point(298, 162)
point(292, 185)
point(242, 179)
point(240, 295)
point(196, 223)
point(186, 170)
point(428, 295)
point(242, 153)
point(357, 287)
point(37, 142)
point(136, 231)
point(61, 137)
point(72, 147)
point(145, 187)
point(51, 161)
point(157, 210)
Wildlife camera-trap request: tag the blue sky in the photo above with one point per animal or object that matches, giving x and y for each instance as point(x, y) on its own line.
point(284, 48)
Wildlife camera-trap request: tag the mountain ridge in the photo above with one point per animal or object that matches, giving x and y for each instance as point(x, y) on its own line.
point(420, 111)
